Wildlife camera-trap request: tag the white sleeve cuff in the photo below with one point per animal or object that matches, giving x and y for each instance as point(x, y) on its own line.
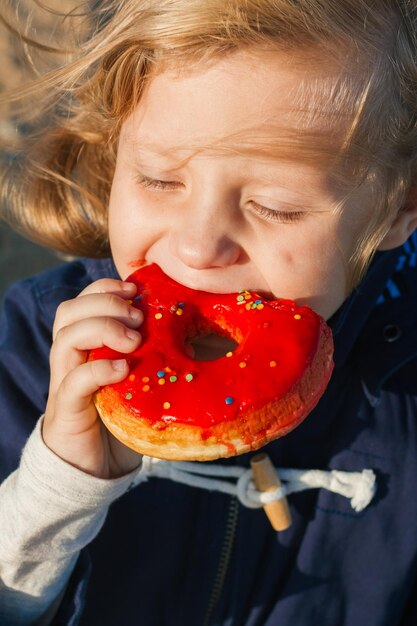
point(70, 485)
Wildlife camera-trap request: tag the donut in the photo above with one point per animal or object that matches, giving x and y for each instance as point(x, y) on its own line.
point(172, 406)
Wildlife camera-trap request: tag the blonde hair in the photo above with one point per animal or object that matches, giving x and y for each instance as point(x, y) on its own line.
point(58, 186)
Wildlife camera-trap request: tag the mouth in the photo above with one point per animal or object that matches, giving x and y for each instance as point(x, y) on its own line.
point(207, 280)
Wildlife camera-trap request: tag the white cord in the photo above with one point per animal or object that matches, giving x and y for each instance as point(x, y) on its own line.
point(359, 487)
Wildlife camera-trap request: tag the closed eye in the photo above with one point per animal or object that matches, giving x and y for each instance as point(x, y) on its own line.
point(273, 215)
point(157, 185)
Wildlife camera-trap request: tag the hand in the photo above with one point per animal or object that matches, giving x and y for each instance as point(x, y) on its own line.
point(100, 316)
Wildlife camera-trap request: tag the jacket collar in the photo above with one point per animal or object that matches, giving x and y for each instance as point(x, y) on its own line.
point(99, 268)
point(348, 321)
point(380, 338)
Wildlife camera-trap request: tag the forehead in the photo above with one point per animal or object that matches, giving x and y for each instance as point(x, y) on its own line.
point(254, 102)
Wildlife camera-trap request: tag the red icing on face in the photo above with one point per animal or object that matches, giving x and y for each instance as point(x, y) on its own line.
point(137, 264)
point(277, 339)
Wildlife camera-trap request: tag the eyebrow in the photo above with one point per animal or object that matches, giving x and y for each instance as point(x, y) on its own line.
point(309, 146)
point(143, 152)
point(267, 177)
point(173, 162)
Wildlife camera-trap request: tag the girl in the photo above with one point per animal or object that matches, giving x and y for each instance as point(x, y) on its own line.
point(262, 145)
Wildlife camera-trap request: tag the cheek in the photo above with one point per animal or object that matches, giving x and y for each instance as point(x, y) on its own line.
point(124, 228)
point(312, 251)
point(308, 265)
point(133, 228)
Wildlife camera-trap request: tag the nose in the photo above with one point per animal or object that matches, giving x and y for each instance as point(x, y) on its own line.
point(206, 237)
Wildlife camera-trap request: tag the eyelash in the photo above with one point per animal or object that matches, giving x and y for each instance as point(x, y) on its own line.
point(282, 217)
point(157, 185)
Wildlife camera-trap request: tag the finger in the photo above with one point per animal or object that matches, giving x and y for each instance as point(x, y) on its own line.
point(120, 288)
point(76, 390)
point(72, 344)
point(97, 305)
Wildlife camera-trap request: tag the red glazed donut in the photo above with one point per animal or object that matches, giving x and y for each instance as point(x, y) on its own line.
point(174, 407)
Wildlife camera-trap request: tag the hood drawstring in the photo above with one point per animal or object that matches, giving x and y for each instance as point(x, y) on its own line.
point(359, 487)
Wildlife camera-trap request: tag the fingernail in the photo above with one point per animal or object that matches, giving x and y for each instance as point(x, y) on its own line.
point(132, 334)
point(135, 314)
point(119, 365)
point(128, 287)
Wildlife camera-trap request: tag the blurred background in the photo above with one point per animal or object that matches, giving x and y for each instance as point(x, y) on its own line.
point(20, 258)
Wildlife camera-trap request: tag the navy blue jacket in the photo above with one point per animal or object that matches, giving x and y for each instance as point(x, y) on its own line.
point(173, 555)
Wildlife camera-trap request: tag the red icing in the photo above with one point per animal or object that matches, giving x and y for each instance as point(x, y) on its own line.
point(137, 264)
point(277, 330)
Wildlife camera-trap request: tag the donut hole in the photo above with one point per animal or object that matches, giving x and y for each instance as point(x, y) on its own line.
point(209, 346)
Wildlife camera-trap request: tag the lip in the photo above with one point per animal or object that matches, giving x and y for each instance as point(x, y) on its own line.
point(207, 280)
point(266, 295)
point(191, 283)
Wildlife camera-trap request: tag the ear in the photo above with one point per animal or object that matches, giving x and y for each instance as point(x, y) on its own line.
point(404, 223)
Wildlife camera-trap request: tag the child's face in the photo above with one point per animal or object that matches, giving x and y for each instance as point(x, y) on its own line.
point(193, 192)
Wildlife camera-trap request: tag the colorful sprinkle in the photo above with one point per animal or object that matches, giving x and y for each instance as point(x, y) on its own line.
point(128, 396)
point(229, 400)
point(161, 381)
point(167, 405)
point(297, 316)
point(229, 354)
point(145, 379)
point(189, 378)
point(245, 298)
point(272, 363)
point(158, 316)
point(181, 305)
point(160, 374)
point(173, 379)
point(244, 295)
point(145, 388)
point(242, 364)
point(179, 311)
point(132, 377)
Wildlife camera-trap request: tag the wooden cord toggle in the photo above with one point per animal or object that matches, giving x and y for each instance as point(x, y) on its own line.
point(267, 480)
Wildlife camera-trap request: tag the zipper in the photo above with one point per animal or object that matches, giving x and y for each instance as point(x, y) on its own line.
point(224, 560)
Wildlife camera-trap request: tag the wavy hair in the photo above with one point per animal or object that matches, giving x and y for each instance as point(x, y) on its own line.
point(57, 184)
